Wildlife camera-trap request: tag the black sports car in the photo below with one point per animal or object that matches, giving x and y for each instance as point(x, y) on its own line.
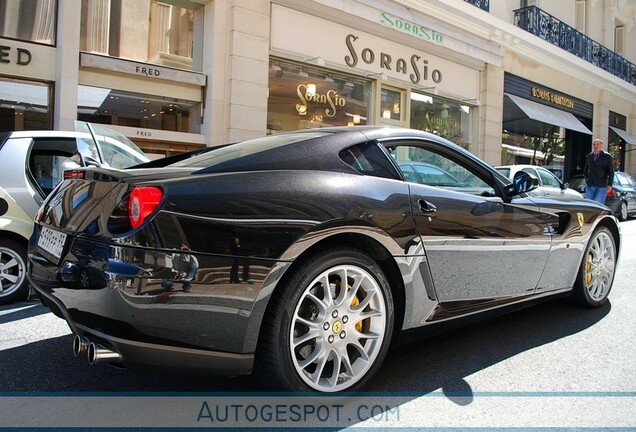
point(302, 256)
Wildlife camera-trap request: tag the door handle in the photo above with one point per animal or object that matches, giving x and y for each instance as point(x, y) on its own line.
point(426, 207)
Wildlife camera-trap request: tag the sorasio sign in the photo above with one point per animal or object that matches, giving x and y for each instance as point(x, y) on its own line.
point(400, 24)
point(415, 68)
point(331, 99)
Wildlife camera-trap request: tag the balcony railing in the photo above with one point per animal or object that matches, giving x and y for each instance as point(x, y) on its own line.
point(548, 28)
point(481, 4)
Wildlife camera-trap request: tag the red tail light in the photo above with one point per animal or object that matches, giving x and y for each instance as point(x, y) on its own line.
point(73, 174)
point(142, 202)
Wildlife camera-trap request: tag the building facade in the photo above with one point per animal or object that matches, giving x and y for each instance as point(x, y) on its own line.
point(513, 81)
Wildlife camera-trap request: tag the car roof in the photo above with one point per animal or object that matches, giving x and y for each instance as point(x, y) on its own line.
point(313, 149)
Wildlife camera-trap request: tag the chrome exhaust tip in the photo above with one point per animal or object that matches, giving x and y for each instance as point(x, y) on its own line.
point(98, 354)
point(80, 345)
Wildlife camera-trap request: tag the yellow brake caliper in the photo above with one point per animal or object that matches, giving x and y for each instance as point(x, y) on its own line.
point(588, 269)
point(355, 302)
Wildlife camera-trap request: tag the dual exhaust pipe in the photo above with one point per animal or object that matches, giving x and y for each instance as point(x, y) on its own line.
point(97, 353)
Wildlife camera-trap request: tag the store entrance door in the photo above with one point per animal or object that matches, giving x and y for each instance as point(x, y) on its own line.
point(577, 146)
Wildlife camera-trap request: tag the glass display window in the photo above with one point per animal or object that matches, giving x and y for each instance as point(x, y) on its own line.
point(443, 117)
point(302, 97)
point(24, 105)
point(159, 32)
point(122, 108)
point(390, 104)
point(32, 20)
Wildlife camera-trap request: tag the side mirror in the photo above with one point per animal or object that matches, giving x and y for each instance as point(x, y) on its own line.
point(524, 182)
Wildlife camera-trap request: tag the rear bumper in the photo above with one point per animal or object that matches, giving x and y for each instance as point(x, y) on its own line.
point(141, 355)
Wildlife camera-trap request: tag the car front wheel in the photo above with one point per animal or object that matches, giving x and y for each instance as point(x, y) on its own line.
point(329, 329)
point(596, 274)
point(13, 282)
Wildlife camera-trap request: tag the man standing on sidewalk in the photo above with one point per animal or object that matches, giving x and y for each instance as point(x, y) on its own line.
point(598, 172)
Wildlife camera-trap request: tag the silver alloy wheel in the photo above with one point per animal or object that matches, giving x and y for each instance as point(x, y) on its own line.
point(600, 266)
point(12, 271)
point(337, 331)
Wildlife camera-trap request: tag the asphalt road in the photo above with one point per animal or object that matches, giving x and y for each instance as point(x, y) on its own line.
point(551, 365)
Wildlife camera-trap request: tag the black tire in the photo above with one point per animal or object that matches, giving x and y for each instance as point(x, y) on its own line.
point(596, 273)
point(327, 324)
point(622, 211)
point(13, 282)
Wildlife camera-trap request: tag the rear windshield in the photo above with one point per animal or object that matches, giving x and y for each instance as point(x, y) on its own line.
point(246, 148)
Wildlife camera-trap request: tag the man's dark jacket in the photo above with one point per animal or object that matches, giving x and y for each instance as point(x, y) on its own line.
point(599, 172)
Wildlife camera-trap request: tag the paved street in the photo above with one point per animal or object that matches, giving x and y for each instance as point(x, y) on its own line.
point(551, 365)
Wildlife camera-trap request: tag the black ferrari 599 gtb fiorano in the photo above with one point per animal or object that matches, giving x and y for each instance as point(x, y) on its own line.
point(302, 256)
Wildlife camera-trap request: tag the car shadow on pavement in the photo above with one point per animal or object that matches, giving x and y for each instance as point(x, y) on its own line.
point(444, 361)
point(21, 310)
point(418, 367)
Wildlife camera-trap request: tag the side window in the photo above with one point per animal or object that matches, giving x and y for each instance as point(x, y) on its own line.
point(46, 161)
point(435, 168)
point(409, 173)
point(548, 179)
point(369, 159)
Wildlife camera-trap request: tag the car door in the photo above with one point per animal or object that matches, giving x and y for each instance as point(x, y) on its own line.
point(478, 246)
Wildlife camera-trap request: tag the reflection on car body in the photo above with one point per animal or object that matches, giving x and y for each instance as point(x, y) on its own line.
point(549, 183)
point(340, 254)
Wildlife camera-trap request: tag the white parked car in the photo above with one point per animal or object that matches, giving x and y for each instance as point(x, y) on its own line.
point(32, 163)
point(549, 184)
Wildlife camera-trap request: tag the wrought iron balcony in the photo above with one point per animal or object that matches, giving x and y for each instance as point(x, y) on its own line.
point(548, 28)
point(481, 4)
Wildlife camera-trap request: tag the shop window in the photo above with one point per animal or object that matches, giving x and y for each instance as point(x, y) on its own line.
point(159, 32)
point(448, 119)
point(391, 104)
point(302, 97)
point(32, 20)
point(616, 144)
point(24, 105)
point(122, 108)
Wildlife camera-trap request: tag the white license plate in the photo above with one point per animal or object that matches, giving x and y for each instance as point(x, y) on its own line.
point(52, 241)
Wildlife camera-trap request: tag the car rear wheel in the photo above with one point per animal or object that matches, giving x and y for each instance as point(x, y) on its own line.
point(622, 211)
point(596, 274)
point(13, 281)
point(329, 329)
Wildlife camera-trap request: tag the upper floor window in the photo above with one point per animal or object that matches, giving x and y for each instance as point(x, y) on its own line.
point(580, 15)
point(28, 20)
point(152, 31)
point(619, 39)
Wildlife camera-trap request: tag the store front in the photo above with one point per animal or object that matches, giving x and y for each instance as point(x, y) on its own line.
point(544, 127)
point(26, 85)
point(333, 75)
point(619, 142)
point(157, 107)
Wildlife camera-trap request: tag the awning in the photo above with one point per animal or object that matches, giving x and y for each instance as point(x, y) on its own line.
point(626, 137)
point(549, 115)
